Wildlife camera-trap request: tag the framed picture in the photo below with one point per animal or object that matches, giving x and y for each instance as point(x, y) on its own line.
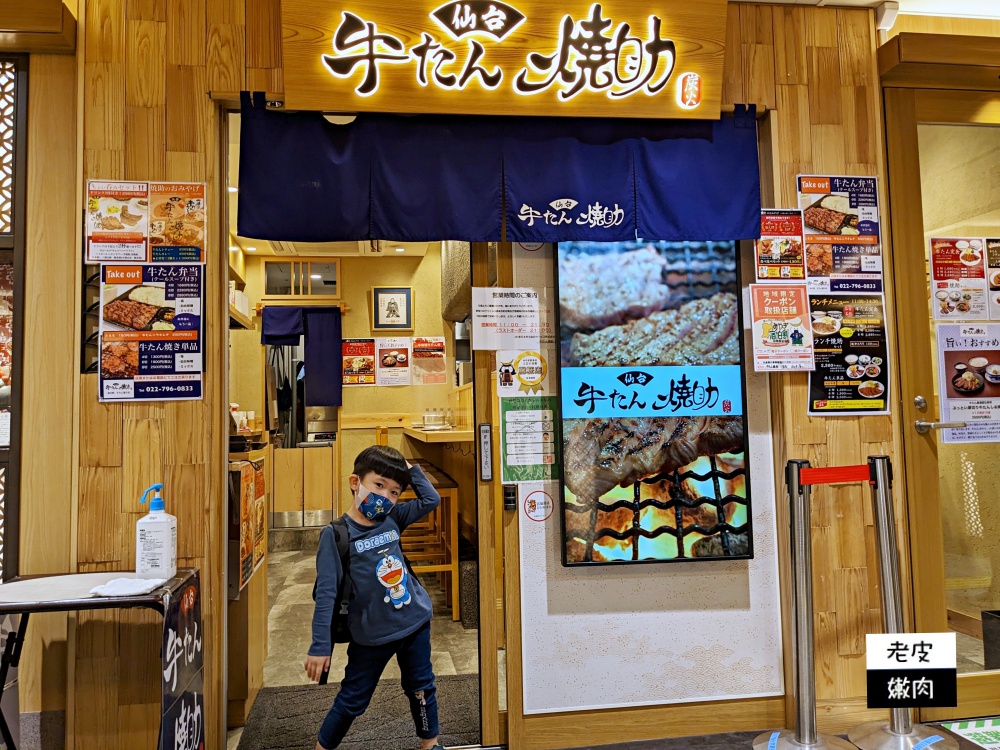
point(392, 308)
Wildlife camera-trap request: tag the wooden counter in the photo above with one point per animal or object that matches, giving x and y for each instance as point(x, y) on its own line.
point(440, 436)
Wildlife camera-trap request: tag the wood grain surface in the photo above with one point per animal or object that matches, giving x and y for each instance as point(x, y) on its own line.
point(697, 28)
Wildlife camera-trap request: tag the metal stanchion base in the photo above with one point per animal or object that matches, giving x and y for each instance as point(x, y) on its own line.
point(876, 736)
point(785, 740)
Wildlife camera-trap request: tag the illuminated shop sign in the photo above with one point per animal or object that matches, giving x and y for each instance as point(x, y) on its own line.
point(626, 59)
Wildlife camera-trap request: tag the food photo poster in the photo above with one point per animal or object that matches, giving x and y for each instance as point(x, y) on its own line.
point(653, 429)
point(969, 381)
point(852, 355)
point(392, 361)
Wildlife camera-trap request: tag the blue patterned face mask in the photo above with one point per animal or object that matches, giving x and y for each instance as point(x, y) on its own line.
point(372, 505)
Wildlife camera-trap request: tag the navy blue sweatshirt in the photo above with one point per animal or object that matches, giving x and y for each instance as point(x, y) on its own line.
point(388, 603)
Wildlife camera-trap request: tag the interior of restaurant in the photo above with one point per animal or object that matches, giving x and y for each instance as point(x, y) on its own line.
point(305, 451)
point(953, 161)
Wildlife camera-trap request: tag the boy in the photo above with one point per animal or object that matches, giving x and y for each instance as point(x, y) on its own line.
point(390, 612)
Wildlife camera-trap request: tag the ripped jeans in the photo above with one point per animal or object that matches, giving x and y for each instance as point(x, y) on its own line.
point(365, 665)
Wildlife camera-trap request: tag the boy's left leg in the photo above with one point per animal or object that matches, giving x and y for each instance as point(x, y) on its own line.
point(414, 657)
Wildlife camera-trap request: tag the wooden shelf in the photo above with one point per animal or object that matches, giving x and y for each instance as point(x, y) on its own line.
point(234, 275)
point(440, 436)
point(239, 319)
point(256, 455)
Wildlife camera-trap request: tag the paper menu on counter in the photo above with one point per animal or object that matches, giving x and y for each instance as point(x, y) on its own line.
point(842, 233)
point(429, 360)
point(782, 335)
point(779, 253)
point(392, 361)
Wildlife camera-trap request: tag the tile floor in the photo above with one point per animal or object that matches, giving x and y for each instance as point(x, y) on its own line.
point(454, 650)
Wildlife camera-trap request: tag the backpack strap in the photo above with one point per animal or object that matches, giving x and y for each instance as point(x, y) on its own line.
point(341, 536)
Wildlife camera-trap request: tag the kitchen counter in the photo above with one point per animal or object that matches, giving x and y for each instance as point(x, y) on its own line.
point(440, 436)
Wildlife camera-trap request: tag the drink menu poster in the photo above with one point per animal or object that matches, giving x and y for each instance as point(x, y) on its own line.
point(852, 355)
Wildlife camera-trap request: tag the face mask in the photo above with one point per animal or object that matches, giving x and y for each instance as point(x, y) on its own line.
point(372, 505)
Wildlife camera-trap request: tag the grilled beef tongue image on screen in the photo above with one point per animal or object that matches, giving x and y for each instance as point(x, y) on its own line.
point(598, 290)
point(601, 454)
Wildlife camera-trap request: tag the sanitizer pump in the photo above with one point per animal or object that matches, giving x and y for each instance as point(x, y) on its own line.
point(155, 539)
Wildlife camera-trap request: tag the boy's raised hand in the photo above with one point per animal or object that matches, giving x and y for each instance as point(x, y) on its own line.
point(316, 666)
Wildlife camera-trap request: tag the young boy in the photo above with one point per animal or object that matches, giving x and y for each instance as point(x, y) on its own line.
point(389, 613)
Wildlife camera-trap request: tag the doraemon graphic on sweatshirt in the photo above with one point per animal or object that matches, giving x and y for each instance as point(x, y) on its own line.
point(387, 603)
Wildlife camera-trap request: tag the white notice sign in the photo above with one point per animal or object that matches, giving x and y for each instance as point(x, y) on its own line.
point(505, 318)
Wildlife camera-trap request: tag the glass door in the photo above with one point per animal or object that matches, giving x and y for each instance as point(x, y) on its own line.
point(944, 154)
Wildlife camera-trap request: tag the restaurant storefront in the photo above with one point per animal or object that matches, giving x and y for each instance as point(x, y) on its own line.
point(570, 654)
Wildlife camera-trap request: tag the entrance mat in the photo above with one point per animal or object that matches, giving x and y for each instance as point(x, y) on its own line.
point(288, 718)
point(982, 732)
point(728, 741)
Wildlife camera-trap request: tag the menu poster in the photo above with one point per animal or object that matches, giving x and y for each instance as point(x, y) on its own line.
point(851, 352)
point(958, 279)
point(117, 221)
point(429, 363)
point(843, 250)
point(779, 252)
point(782, 337)
point(248, 486)
point(969, 381)
point(6, 342)
point(993, 276)
point(392, 361)
point(177, 222)
point(259, 519)
point(151, 332)
point(146, 222)
point(359, 361)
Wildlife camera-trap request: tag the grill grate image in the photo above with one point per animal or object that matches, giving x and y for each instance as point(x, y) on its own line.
point(693, 520)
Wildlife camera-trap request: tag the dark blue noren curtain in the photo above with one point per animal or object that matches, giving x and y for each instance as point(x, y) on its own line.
point(324, 357)
point(430, 178)
point(281, 326)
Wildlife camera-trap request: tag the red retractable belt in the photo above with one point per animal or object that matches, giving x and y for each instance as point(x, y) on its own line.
point(836, 474)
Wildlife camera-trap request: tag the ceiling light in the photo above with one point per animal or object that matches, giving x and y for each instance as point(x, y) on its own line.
point(233, 248)
point(251, 249)
point(400, 250)
point(233, 189)
point(315, 276)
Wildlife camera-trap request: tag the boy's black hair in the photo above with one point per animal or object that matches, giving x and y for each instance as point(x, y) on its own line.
point(384, 461)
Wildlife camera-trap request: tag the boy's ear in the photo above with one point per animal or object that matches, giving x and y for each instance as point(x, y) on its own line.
point(354, 481)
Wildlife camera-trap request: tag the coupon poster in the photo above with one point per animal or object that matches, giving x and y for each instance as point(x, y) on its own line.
point(151, 332)
point(146, 222)
point(782, 336)
point(779, 253)
point(429, 361)
point(851, 353)
point(969, 381)
point(392, 361)
point(359, 361)
point(840, 216)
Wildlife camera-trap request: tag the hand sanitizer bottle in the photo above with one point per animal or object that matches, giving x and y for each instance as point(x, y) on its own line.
point(155, 539)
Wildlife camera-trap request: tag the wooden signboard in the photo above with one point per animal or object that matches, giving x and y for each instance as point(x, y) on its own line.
point(621, 58)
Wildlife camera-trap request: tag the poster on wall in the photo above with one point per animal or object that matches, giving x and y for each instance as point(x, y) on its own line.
point(524, 372)
point(505, 318)
point(842, 233)
point(528, 447)
point(429, 360)
point(259, 515)
point(146, 222)
point(653, 429)
point(958, 279)
point(779, 254)
point(852, 356)
point(359, 361)
point(392, 361)
point(782, 335)
point(177, 222)
point(151, 332)
point(969, 381)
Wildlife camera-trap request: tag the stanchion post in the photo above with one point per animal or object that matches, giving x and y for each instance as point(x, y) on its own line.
point(899, 733)
point(805, 736)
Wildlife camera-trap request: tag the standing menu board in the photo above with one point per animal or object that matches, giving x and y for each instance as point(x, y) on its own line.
point(842, 233)
point(151, 332)
point(852, 361)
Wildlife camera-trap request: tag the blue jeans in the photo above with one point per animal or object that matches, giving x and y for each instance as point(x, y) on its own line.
point(365, 665)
